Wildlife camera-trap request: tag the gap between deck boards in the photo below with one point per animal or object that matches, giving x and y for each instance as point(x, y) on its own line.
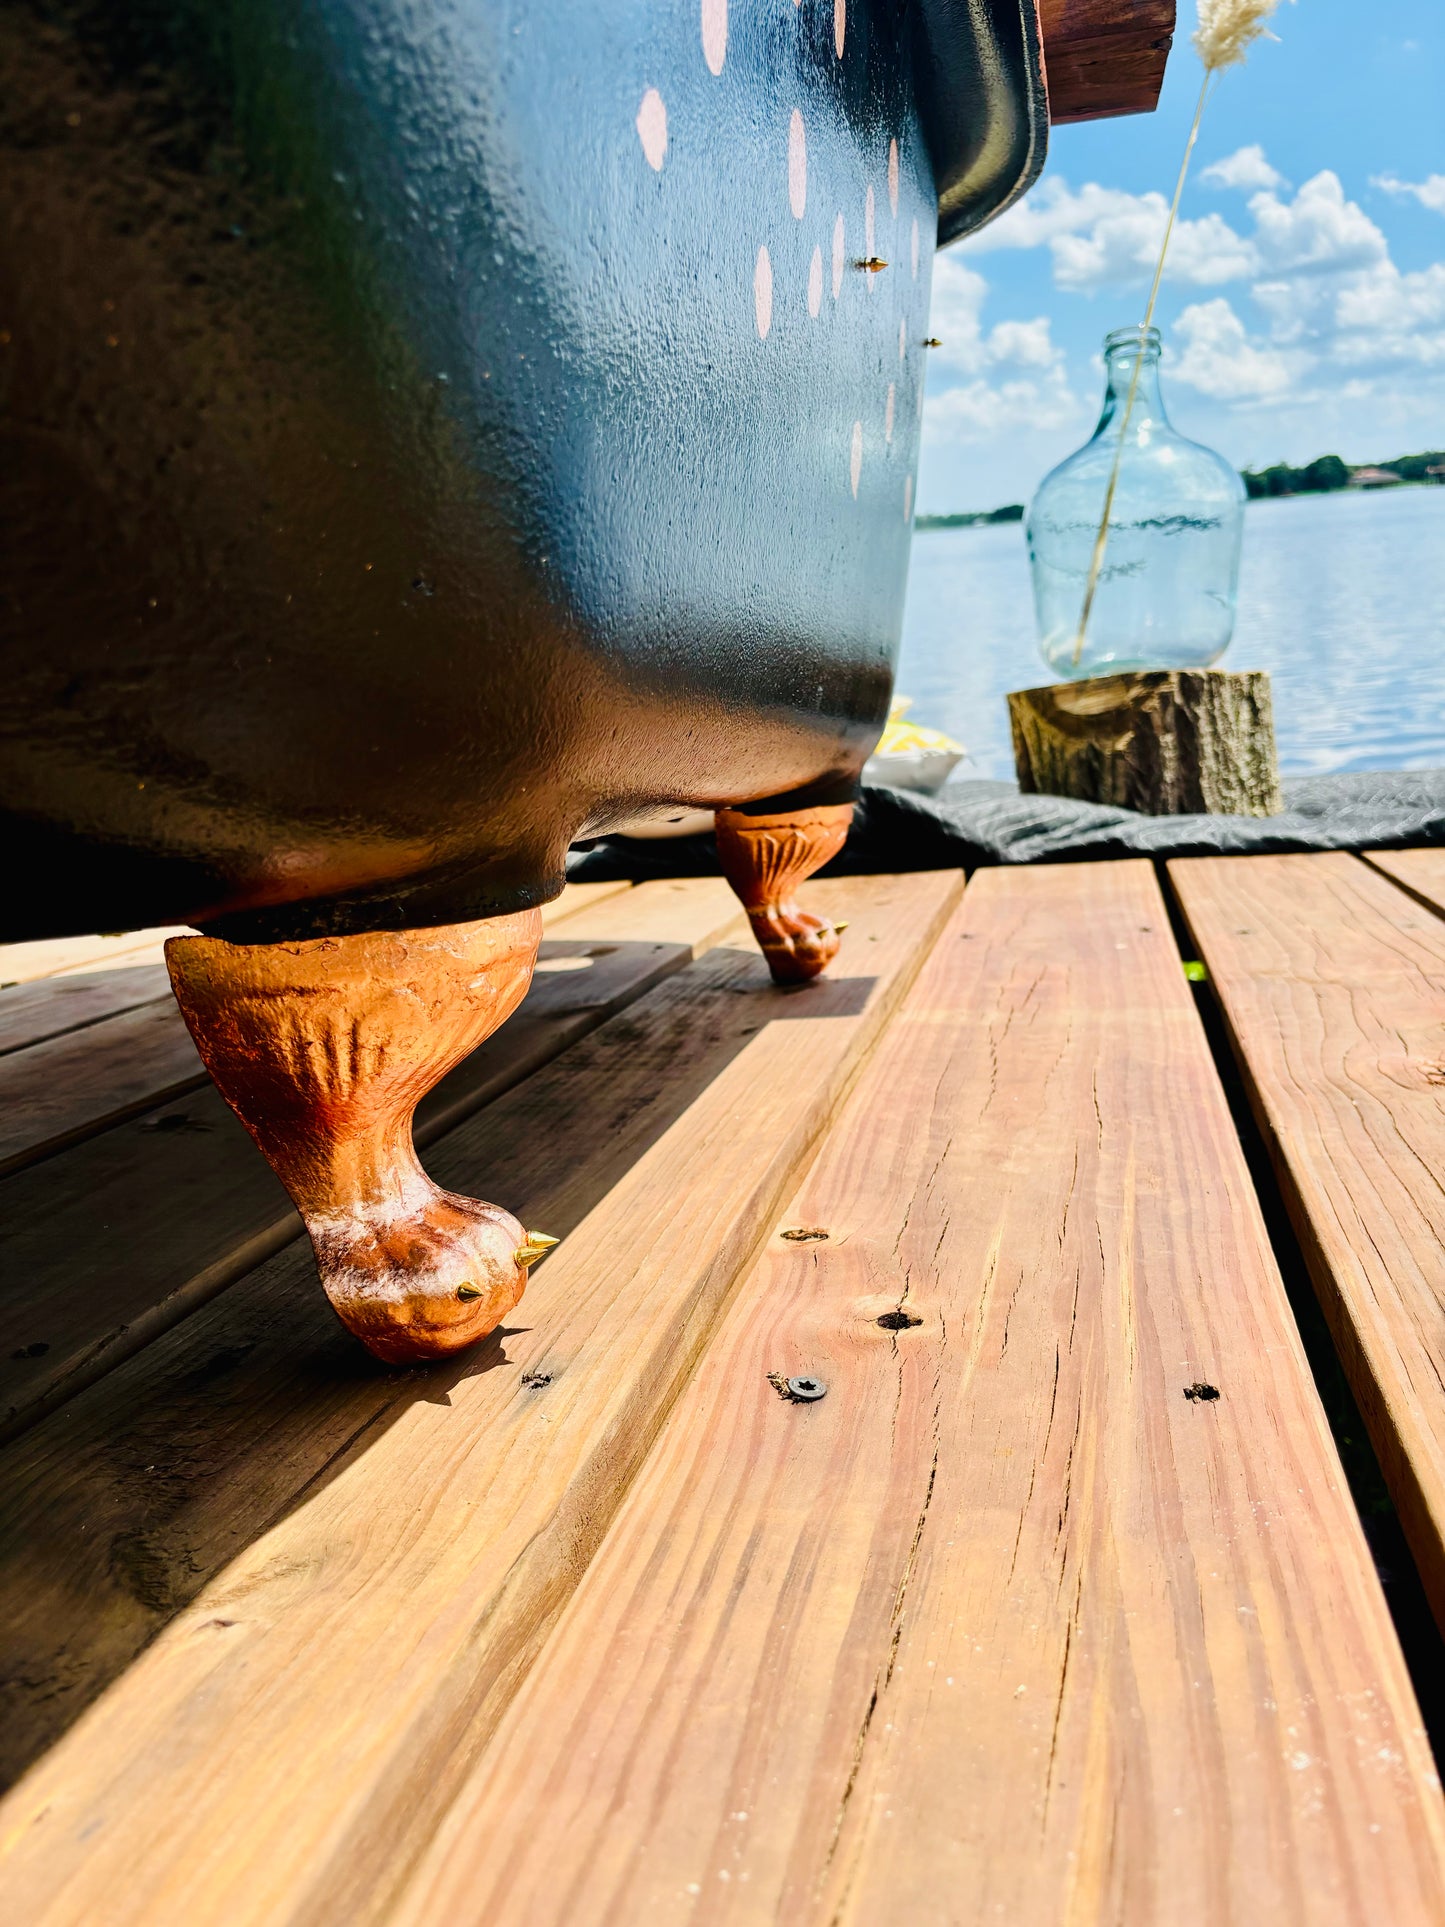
point(254, 1545)
point(194, 1449)
point(112, 1241)
point(1008, 1625)
point(1331, 983)
point(104, 1046)
point(63, 960)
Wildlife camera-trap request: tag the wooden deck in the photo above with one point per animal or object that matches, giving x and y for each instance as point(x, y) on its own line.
point(1055, 1607)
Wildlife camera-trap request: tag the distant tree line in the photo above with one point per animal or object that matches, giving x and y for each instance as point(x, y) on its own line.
point(1318, 477)
point(1329, 472)
point(1013, 512)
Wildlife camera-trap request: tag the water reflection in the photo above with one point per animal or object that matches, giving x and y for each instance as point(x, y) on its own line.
point(1341, 598)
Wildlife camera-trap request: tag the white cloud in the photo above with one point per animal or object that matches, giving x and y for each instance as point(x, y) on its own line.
point(1317, 268)
point(1338, 335)
point(1215, 355)
point(1372, 320)
point(1429, 192)
point(1319, 232)
point(1017, 373)
point(1054, 208)
point(1321, 340)
point(1388, 300)
point(1245, 168)
point(1104, 237)
point(1328, 286)
point(1386, 316)
point(981, 409)
point(1124, 247)
point(955, 317)
point(1029, 343)
point(954, 310)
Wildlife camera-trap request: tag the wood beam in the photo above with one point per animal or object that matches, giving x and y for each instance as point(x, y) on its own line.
point(1104, 57)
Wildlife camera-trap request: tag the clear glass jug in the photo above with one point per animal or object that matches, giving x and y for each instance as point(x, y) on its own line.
point(1165, 593)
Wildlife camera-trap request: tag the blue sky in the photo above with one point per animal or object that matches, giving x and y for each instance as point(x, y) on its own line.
point(1303, 310)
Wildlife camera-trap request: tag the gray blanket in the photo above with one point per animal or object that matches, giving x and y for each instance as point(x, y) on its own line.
point(974, 824)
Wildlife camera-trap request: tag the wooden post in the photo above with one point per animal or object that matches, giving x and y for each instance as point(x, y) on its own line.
point(1167, 742)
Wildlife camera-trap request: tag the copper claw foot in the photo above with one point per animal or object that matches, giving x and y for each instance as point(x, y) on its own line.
point(323, 1049)
point(765, 858)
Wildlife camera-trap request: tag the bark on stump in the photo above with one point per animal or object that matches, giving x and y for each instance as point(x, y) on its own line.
point(1167, 742)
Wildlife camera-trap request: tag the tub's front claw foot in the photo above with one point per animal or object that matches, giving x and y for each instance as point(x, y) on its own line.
point(323, 1049)
point(426, 1282)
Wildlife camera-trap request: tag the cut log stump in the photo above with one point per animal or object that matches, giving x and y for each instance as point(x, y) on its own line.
point(1167, 742)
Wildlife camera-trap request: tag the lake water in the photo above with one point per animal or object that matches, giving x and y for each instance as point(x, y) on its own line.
point(1341, 598)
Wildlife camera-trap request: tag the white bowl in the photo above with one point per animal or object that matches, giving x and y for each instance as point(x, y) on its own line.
point(925, 770)
point(668, 822)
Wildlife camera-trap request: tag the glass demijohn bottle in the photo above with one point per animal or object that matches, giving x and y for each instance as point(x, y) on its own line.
point(1165, 593)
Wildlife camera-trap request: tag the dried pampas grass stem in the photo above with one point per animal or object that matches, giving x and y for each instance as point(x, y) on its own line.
point(1227, 30)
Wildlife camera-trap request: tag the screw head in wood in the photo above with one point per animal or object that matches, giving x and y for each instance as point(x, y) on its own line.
point(807, 1389)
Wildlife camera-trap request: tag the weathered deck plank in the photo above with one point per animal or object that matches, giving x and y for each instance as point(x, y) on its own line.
point(363, 1562)
point(54, 959)
point(31, 1013)
point(138, 1053)
point(580, 896)
point(695, 911)
point(108, 1244)
point(1332, 982)
point(82, 1082)
point(1005, 1627)
point(1421, 872)
point(50, 957)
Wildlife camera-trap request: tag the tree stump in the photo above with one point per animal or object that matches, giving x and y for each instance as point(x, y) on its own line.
point(1167, 742)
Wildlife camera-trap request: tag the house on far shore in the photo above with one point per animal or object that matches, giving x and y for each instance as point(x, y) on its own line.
point(1374, 478)
point(1436, 472)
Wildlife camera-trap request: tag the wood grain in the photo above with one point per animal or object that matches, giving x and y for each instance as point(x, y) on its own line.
point(165, 1211)
point(24, 963)
point(1104, 57)
point(31, 1013)
point(59, 958)
point(70, 1087)
point(366, 1563)
point(695, 911)
point(1421, 872)
point(580, 896)
point(1005, 1627)
point(1332, 983)
point(133, 1058)
point(1162, 741)
point(50, 1006)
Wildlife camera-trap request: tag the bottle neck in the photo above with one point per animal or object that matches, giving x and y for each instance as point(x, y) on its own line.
point(1148, 408)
